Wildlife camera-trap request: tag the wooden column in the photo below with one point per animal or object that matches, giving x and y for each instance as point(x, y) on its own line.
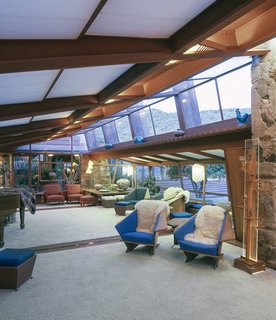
point(235, 180)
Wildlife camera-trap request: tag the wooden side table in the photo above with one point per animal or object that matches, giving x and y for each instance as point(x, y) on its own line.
point(39, 197)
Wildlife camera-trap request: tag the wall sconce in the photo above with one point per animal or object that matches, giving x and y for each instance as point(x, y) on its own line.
point(198, 172)
point(89, 167)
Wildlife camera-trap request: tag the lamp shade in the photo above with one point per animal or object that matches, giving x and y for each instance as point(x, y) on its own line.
point(198, 172)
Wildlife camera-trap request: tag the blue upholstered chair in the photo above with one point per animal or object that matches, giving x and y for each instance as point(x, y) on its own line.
point(130, 200)
point(143, 224)
point(204, 233)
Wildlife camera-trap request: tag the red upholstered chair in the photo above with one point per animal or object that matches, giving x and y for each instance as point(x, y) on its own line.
point(73, 192)
point(53, 193)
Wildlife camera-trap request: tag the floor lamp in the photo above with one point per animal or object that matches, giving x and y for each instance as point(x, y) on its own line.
point(249, 260)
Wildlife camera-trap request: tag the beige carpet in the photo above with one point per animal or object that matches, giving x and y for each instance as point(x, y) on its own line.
point(105, 283)
point(61, 225)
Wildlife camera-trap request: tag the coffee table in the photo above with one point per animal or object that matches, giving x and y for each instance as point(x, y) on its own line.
point(176, 222)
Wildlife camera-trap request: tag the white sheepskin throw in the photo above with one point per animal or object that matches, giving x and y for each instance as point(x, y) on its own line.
point(147, 211)
point(208, 225)
point(171, 194)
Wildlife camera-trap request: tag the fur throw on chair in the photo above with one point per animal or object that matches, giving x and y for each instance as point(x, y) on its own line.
point(171, 194)
point(208, 224)
point(148, 211)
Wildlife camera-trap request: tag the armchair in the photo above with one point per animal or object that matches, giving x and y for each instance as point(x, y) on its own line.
point(176, 198)
point(53, 193)
point(204, 233)
point(143, 224)
point(130, 200)
point(73, 192)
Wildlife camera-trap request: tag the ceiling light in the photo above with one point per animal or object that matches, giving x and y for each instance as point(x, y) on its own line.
point(110, 101)
point(171, 62)
point(193, 49)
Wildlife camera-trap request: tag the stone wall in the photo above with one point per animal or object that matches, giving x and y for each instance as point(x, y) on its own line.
point(100, 173)
point(264, 128)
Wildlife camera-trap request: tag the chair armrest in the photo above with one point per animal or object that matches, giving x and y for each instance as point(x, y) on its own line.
point(157, 222)
point(188, 227)
point(128, 224)
point(129, 197)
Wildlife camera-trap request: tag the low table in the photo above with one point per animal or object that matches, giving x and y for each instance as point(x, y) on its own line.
point(100, 193)
point(176, 222)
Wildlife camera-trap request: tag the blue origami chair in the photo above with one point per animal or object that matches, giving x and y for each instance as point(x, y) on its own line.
point(204, 233)
point(143, 224)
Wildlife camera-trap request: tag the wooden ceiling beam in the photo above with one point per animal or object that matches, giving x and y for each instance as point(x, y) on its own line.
point(164, 159)
point(30, 109)
point(31, 55)
point(216, 140)
point(93, 17)
point(258, 30)
point(33, 127)
point(12, 142)
point(217, 16)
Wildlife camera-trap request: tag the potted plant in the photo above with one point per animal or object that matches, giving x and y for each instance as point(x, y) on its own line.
point(150, 183)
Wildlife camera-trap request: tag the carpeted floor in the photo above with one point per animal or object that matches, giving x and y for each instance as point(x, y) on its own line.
point(105, 283)
point(59, 225)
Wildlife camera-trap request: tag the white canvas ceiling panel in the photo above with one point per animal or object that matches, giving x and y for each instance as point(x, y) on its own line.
point(86, 81)
point(139, 159)
point(193, 155)
point(153, 158)
point(170, 157)
point(216, 152)
point(52, 116)
point(40, 19)
point(15, 122)
point(144, 18)
point(25, 86)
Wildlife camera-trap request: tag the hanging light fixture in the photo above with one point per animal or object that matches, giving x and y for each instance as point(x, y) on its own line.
point(198, 172)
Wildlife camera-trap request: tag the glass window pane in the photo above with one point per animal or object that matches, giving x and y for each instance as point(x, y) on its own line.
point(223, 67)
point(141, 122)
point(62, 144)
point(79, 143)
point(235, 92)
point(99, 136)
point(123, 129)
point(142, 172)
point(21, 169)
point(164, 116)
point(91, 140)
point(208, 104)
point(110, 133)
point(201, 105)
